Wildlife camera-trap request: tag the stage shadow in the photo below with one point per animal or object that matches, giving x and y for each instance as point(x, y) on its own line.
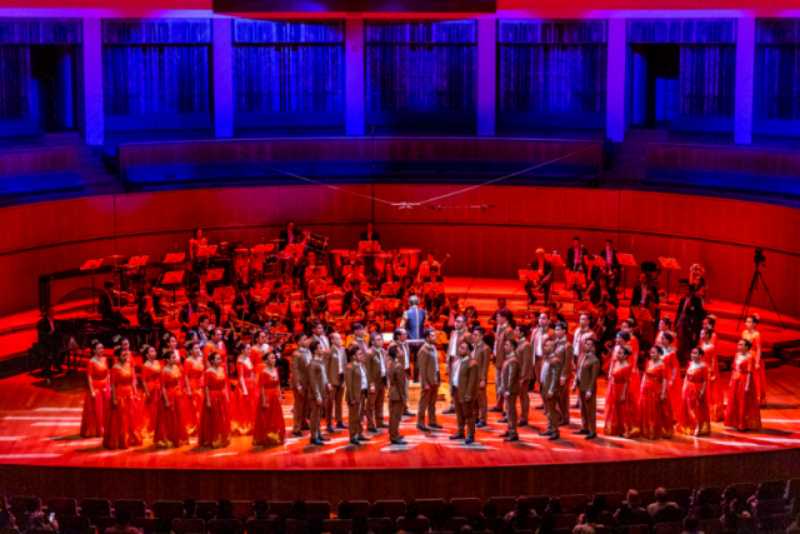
point(72, 437)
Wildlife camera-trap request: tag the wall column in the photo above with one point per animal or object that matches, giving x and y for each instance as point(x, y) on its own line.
point(616, 79)
point(487, 76)
point(745, 65)
point(222, 76)
point(354, 92)
point(92, 65)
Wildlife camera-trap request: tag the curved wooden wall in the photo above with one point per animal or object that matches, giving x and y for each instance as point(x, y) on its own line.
point(490, 231)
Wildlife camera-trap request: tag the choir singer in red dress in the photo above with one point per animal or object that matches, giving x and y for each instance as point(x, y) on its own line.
point(655, 410)
point(174, 407)
point(121, 429)
point(743, 411)
point(270, 428)
point(215, 419)
point(694, 418)
point(97, 394)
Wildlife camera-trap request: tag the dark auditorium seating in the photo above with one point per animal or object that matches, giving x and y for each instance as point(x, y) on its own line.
point(768, 507)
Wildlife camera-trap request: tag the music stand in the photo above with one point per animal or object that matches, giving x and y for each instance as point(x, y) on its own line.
point(369, 247)
point(174, 258)
point(173, 280)
point(669, 264)
point(92, 266)
point(625, 259)
point(205, 253)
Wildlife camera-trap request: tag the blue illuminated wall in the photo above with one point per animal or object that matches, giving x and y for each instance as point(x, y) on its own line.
point(289, 77)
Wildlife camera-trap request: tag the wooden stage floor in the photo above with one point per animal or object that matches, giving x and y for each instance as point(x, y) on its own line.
point(40, 451)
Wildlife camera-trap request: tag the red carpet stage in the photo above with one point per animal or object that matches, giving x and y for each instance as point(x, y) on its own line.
point(41, 453)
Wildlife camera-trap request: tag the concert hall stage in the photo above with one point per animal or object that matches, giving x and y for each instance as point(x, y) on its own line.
point(42, 454)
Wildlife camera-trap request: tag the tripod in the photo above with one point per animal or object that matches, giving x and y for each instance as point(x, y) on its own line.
point(758, 278)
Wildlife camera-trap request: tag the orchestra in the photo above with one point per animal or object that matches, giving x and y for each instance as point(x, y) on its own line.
point(307, 329)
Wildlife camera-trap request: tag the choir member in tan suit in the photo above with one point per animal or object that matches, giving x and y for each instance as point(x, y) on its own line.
point(397, 397)
point(509, 388)
point(458, 335)
point(299, 381)
point(539, 334)
point(525, 359)
point(466, 378)
point(564, 351)
point(481, 353)
point(336, 360)
point(357, 386)
point(401, 350)
point(376, 365)
point(586, 385)
point(318, 388)
point(428, 363)
point(502, 332)
point(551, 388)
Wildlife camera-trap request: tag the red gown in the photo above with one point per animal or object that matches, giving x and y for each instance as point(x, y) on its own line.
point(193, 371)
point(215, 419)
point(714, 393)
point(270, 428)
point(694, 414)
point(655, 414)
point(94, 408)
point(759, 370)
point(743, 411)
point(673, 369)
point(122, 426)
point(151, 380)
point(172, 422)
point(619, 413)
point(243, 407)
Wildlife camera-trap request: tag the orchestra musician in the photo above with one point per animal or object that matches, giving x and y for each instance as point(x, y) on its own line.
point(370, 234)
point(543, 270)
point(576, 267)
point(196, 242)
point(289, 236)
point(644, 309)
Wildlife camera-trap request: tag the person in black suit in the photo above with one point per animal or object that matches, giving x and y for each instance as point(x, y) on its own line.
point(370, 234)
point(576, 267)
point(48, 338)
point(544, 270)
point(289, 236)
point(689, 321)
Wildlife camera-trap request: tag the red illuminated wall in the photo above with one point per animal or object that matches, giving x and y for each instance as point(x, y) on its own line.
point(721, 234)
